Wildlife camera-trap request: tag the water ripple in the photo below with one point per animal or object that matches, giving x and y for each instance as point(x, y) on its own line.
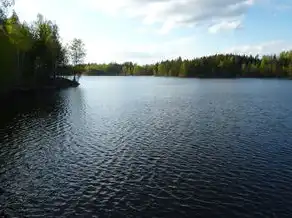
point(172, 148)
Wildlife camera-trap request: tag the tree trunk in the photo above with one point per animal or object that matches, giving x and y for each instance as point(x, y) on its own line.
point(54, 69)
point(74, 75)
point(18, 67)
point(22, 64)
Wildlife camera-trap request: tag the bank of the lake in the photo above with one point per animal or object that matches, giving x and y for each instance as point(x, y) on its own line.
point(51, 84)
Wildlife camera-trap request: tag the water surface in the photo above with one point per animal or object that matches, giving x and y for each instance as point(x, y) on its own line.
point(149, 147)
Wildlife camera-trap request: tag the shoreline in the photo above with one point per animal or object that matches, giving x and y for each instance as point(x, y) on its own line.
point(190, 77)
point(52, 84)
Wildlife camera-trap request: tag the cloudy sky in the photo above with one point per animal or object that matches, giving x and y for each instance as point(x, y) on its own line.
point(146, 31)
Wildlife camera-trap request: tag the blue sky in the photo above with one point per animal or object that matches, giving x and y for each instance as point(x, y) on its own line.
point(146, 31)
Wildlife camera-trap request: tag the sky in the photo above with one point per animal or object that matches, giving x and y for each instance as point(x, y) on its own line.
point(147, 31)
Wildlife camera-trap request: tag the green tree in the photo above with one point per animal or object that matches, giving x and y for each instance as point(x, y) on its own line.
point(77, 54)
point(183, 69)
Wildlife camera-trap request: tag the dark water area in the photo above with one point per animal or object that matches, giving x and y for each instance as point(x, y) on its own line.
point(149, 147)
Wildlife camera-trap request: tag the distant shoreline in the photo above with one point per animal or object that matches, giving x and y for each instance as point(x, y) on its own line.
point(198, 77)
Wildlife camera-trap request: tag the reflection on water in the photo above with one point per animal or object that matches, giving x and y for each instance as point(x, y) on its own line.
point(149, 147)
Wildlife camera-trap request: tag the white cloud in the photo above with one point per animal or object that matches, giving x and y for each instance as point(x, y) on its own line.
point(173, 13)
point(270, 47)
point(225, 25)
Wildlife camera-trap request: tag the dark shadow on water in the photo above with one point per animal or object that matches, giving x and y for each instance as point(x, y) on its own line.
point(15, 106)
point(18, 109)
point(21, 112)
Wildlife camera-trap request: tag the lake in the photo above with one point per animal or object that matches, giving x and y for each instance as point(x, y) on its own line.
point(149, 147)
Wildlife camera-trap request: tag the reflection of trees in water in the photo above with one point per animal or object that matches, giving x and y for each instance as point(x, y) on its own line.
point(51, 106)
point(28, 103)
point(76, 105)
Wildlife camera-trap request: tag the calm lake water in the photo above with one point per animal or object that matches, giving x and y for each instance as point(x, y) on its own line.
point(149, 147)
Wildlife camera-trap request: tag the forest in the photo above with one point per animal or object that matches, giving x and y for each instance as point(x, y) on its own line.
point(215, 66)
point(33, 54)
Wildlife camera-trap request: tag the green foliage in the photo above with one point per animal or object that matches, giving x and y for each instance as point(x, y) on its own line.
point(215, 66)
point(77, 51)
point(77, 54)
point(32, 54)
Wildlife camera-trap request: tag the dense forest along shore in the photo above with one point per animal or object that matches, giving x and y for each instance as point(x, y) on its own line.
point(33, 55)
point(214, 66)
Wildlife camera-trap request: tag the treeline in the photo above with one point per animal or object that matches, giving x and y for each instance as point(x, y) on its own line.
point(216, 66)
point(32, 54)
